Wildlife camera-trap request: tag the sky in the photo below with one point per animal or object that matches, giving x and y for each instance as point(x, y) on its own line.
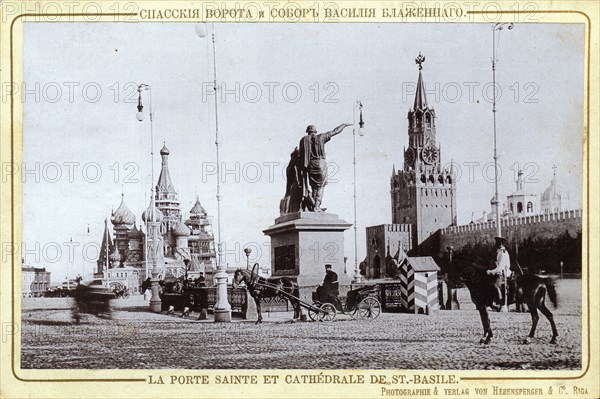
point(83, 146)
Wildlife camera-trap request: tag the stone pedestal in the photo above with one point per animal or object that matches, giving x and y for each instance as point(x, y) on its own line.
point(155, 301)
point(222, 309)
point(302, 243)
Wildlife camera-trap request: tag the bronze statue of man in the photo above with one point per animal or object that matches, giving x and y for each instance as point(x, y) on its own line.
point(292, 199)
point(313, 164)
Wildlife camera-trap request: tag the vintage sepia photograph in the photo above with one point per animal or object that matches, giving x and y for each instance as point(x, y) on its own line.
point(302, 196)
point(343, 199)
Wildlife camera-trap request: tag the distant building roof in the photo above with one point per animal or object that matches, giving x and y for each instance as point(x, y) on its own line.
point(33, 269)
point(423, 263)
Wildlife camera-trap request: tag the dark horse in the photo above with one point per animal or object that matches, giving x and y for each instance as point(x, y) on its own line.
point(528, 288)
point(261, 287)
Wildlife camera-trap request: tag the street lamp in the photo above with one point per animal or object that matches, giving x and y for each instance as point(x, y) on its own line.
point(247, 251)
point(361, 132)
point(222, 309)
point(497, 27)
point(151, 222)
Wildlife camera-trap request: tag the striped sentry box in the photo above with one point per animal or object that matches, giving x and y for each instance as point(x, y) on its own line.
point(418, 284)
point(407, 286)
point(425, 291)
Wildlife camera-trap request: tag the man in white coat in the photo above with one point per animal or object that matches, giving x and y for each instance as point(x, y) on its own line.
point(502, 270)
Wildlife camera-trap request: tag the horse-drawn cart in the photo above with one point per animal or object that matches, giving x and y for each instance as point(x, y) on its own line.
point(360, 303)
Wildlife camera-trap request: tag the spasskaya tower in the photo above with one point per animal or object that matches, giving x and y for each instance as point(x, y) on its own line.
point(423, 192)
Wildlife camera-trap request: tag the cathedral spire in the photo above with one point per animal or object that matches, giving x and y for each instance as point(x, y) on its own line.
point(420, 96)
point(164, 184)
point(106, 240)
point(104, 247)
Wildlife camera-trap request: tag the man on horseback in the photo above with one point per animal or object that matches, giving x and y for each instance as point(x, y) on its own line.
point(502, 270)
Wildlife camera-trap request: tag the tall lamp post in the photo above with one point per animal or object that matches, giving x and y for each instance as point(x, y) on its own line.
point(222, 309)
point(361, 132)
point(497, 27)
point(152, 223)
point(247, 251)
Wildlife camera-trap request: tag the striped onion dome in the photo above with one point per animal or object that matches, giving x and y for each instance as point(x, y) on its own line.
point(147, 215)
point(122, 216)
point(115, 256)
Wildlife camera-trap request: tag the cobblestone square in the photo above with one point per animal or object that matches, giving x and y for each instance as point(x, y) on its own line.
point(138, 339)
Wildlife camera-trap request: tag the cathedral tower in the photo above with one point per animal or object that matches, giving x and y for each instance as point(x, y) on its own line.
point(167, 199)
point(105, 249)
point(423, 192)
point(201, 241)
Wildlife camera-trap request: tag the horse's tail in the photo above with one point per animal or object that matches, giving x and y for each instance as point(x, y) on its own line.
point(551, 292)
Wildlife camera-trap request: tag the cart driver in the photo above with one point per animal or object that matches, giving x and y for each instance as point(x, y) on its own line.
point(330, 290)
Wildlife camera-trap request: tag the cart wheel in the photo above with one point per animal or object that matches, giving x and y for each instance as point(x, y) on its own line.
point(327, 312)
point(313, 312)
point(369, 308)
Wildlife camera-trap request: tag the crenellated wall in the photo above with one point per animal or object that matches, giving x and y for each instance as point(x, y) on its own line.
point(515, 230)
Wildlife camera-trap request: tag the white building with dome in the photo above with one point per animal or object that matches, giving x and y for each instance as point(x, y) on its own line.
point(523, 203)
point(554, 198)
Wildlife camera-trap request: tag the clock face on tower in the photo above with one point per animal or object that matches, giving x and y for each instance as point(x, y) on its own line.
point(409, 157)
point(429, 154)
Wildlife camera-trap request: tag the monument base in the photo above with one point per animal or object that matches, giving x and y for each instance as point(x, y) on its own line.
point(302, 243)
point(222, 316)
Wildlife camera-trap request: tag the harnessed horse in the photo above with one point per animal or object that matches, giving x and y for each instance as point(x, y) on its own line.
point(261, 287)
point(529, 288)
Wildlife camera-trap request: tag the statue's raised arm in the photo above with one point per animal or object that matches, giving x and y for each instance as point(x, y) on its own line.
point(339, 129)
point(311, 156)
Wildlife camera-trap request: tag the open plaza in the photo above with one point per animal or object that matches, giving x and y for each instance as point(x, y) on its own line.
point(447, 339)
point(389, 251)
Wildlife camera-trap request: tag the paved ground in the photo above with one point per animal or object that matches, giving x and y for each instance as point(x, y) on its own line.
point(135, 338)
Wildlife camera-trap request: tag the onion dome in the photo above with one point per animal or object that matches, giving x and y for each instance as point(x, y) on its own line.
point(135, 233)
point(147, 216)
point(198, 209)
point(115, 256)
point(181, 230)
point(164, 150)
point(554, 192)
point(122, 216)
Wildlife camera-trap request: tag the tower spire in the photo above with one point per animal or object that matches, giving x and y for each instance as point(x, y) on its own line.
point(165, 185)
point(167, 200)
point(420, 97)
point(104, 247)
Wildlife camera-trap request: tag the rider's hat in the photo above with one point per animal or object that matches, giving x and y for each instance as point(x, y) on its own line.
point(311, 128)
point(500, 239)
point(328, 266)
